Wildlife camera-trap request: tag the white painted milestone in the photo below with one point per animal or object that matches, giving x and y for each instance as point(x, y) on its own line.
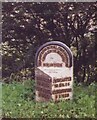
point(54, 72)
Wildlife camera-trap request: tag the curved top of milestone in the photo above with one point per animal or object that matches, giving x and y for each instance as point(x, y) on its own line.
point(54, 47)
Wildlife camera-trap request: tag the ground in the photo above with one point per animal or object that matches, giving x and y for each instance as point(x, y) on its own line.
point(18, 102)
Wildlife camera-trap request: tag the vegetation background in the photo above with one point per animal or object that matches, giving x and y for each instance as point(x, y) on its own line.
point(28, 25)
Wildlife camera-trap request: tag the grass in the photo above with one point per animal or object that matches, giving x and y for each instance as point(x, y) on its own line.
point(18, 102)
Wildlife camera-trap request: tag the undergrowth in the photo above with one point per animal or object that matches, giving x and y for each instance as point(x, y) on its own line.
point(18, 102)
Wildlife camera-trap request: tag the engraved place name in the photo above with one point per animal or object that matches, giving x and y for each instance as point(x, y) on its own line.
point(61, 91)
point(61, 96)
point(43, 79)
point(44, 90)
point(55, 80)
point(43, 84)
point(52, 64)
point(53, 49)
point(61, 85)
point(58, 51)
point(44, 95)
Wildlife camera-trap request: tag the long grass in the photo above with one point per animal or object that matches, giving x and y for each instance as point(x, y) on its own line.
point(18, 102)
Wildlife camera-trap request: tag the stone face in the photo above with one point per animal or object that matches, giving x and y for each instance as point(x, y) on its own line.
point(54, 72)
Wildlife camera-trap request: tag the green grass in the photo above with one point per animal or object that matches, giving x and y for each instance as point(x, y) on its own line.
point(18, 102)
